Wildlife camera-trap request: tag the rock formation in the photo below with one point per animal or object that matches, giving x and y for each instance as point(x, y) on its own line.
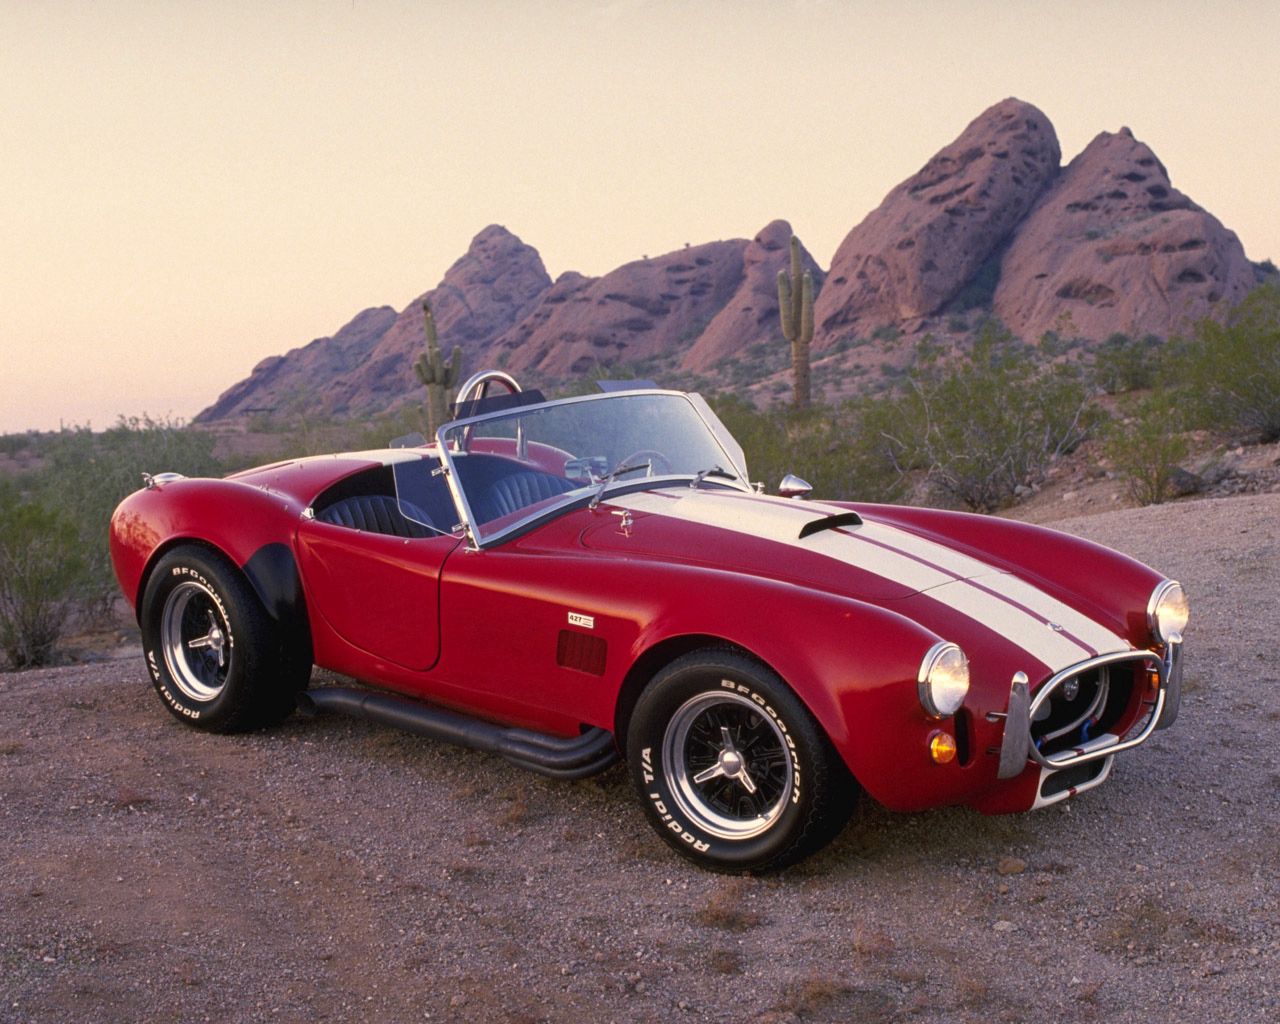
point(750, 317)
point(1113, 246)
point(279, 383)
point(933, 233)
point(495, 284)
point(989, 224)
point(652, 307)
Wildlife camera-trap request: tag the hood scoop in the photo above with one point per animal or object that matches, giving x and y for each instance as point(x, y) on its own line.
point(833, 522)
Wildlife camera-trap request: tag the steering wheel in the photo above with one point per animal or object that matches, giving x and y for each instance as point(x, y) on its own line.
point(659, 464)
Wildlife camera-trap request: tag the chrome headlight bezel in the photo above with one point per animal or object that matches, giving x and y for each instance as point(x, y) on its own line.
point(943, 681)
point(1168, 611)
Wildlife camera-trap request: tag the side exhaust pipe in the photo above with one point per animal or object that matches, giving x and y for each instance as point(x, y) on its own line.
point(577, 757)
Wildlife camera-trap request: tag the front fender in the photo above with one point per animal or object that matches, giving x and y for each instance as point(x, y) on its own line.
point(853, 664)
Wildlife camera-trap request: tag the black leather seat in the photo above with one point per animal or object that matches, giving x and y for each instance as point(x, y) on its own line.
point(378, 513)
point(518, 490)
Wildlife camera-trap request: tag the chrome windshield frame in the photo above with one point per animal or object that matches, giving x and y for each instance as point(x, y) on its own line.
point(716, 431)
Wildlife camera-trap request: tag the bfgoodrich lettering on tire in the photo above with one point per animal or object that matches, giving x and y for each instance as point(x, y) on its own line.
point(214, 655)
point(732, 770)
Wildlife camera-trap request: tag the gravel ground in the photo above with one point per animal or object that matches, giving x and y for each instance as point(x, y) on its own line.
point(332, 870)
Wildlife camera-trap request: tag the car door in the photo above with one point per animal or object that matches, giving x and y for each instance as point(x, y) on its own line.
point(379, 593)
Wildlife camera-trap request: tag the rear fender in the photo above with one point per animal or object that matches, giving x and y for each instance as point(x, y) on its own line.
point(252, 527)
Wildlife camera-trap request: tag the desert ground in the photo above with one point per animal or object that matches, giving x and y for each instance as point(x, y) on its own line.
point(330, 870)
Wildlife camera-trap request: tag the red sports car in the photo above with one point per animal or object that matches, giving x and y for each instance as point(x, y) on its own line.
point(568, 582)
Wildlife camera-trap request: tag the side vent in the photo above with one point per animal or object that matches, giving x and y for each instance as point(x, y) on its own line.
point(581, 651)
point(964, 731)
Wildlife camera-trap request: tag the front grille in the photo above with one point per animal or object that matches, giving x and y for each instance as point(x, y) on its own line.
point(1086, 705)
point(1089, 711)
point(1099, 707)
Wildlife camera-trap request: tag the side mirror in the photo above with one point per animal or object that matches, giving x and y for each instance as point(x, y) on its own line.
point(793, 487)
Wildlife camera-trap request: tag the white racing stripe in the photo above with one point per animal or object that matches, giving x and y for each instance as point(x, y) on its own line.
point(1097, 639)
point(989, 596)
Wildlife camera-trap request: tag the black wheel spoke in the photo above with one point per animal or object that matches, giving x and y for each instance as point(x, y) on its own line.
point(195, 641)
point(762, 759)
point(721, 746)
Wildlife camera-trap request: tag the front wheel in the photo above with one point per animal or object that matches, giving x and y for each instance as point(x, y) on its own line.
point(216, 659)
point(731, 768)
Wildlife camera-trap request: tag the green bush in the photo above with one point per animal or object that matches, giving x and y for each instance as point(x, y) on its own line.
point(1147, 447)
point(42, 572)
point(1230, 372)
point(12, 444)
point(87, 474)
point(986, 423)
point(829, 446)
point(1122, 363)
point(311, 436)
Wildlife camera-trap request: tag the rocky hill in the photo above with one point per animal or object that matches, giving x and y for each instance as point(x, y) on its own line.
point(1117, 248)
point(933, 234)
point(301, 375)
point(991, 225)
point(641, 310)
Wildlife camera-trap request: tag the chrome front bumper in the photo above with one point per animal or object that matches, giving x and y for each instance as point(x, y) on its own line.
point(1017, 748)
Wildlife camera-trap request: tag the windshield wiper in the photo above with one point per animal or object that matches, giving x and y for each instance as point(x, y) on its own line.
point(717, 471)
point(616, 472)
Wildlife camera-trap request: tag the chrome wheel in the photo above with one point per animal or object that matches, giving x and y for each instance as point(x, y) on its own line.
point(196, 641)
point(731, 767)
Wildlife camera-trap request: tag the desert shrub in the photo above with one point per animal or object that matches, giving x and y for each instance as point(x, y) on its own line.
point(11, 444)
point(843, 455)
point(382, 430)
point(1147, 447)
point(42, 571)
point(1231, 371)
point(1122, 363)
point(87, 474)
point(986, 423)
point(311, 435)
point(832, 447)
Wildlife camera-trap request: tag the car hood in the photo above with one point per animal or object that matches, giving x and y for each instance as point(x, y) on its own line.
point(976, 601)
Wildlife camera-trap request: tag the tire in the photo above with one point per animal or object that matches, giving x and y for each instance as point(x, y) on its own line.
point(694, 785)
point(215, 657)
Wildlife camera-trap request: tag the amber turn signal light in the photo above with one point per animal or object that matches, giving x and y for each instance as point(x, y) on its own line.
point(942, 747)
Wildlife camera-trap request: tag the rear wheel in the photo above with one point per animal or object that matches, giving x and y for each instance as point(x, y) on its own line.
point(731, 768)
point(215, 657)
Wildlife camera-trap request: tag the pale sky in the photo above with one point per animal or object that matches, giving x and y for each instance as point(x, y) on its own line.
point(186, 188)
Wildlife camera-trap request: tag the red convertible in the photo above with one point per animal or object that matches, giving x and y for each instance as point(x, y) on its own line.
point(566, 583)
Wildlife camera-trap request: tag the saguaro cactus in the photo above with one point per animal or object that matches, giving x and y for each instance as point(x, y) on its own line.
point(795, 309)
point(440, 379)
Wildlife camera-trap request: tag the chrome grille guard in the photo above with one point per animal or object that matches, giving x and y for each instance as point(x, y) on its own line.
point(1017, 748)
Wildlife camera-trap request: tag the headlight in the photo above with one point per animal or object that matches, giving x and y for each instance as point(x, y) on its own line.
point(1167, 612)
point(944, 680)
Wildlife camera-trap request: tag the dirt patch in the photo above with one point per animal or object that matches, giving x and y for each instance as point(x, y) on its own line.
point(329, 870)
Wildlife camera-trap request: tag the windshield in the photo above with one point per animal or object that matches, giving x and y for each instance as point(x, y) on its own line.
point(512, 467)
